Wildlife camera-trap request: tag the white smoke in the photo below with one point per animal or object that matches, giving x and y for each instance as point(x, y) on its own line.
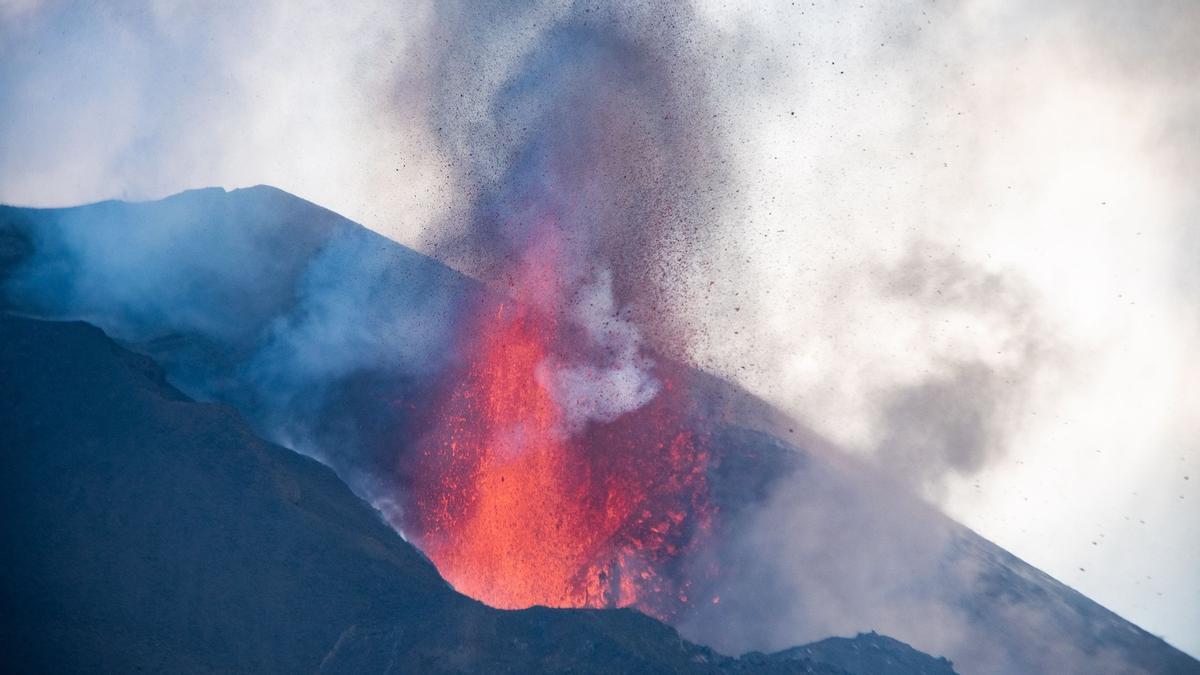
point(619, 380)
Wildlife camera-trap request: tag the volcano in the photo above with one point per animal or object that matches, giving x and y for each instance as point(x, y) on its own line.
point(440, 401)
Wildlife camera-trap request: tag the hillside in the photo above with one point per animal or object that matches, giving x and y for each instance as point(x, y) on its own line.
point(148, 532)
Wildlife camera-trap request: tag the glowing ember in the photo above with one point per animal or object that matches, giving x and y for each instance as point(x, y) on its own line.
point(516, 512)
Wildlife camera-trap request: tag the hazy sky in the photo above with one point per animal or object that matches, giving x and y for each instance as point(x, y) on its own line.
point(979, 215)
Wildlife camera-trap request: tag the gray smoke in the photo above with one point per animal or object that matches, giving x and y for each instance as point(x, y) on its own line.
point(958, 419)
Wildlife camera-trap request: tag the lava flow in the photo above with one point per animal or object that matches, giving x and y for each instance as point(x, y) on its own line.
point(516, 509)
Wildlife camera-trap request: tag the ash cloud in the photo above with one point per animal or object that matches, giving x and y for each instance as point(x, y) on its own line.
point(590, 127)
point(949, 244)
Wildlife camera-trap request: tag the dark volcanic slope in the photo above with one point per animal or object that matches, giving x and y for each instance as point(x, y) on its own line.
point(147, 532)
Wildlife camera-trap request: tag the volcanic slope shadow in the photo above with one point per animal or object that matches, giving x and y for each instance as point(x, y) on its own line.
point(317, 330)
point(147, 532)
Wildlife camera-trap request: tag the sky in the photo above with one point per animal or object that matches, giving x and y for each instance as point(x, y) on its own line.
point(980, 215)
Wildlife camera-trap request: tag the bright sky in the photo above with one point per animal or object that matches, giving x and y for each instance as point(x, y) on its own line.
point(1045, 157)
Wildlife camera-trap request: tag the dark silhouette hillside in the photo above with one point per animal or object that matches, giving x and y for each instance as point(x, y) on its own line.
point(146, 532)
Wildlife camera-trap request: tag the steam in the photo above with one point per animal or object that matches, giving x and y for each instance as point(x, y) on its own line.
point(620, 383)
point(364, 306)
point(583, 140)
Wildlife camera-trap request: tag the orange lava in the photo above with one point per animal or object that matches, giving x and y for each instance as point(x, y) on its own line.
point(515, 512)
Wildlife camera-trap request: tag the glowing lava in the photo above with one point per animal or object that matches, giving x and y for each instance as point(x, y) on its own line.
point(514, 511)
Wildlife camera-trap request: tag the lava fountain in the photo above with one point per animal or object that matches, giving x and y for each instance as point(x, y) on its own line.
point(560, 461)
point(518, 502)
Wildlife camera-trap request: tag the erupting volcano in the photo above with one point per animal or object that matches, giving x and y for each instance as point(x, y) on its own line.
point(520, 500)
point(561, 462)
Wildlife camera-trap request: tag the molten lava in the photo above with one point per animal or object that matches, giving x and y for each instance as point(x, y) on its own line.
point(515, 510)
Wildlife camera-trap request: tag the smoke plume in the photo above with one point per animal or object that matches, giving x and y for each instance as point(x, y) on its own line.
point(586, 153)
